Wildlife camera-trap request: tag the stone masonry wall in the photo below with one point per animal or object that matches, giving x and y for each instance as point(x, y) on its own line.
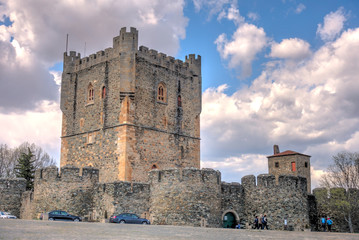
point(119, 197)
point(189, 197)
point(233, 200)
point(288, 200)
point(68, 190)
point(11, 191)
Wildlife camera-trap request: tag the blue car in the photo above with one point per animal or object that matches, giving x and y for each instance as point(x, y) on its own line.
point(128, 218)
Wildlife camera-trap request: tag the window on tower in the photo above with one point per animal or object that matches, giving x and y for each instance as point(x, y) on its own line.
point(90, 94)
point(103, 92)
point(161, 93)
point(179, 101)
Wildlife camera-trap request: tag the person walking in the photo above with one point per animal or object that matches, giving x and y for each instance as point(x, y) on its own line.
point(256, 226)
point(329, 223)
point(260, 221)
point(323, 221)
point(264, 222)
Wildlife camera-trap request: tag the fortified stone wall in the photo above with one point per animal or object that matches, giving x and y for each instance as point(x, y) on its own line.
point(287, 200)
point(11, 191)
point(329, 202)
point(233, 201)
point(121, 197)
point(68, 190)
point(189, 197)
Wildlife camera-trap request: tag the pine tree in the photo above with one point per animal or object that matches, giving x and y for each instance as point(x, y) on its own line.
point(25, 169)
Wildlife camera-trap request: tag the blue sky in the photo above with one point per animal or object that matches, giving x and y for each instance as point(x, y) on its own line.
point(274, 72)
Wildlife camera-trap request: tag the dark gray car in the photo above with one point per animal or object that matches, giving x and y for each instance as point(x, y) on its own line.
point(128, 218)
point(63, 216)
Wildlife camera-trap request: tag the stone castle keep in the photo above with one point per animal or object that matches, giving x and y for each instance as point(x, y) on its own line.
point(131, 143)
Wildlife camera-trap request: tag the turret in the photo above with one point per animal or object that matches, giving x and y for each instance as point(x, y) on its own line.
point(126, 41)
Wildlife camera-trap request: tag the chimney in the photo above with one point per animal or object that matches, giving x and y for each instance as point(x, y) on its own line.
point(276, 149)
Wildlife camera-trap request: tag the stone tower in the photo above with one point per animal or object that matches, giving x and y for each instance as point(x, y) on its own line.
point(127, 110)
point(289, 163)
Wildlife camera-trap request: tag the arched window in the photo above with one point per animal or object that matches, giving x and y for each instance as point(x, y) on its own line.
point(90, 93)
point(154, 166)
point(161, 93)
point(179, 101)
point(103, 92)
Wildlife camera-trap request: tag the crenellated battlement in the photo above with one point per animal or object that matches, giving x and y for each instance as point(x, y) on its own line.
point(67, 173)
point(231, 188)
point(268, 181)
point(195, 175)
point(125, 42)
point(190, 65)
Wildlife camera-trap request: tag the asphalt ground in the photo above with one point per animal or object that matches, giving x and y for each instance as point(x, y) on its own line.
point(38, 230)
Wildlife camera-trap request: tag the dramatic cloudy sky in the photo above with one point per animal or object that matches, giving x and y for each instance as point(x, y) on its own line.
point(274, 72)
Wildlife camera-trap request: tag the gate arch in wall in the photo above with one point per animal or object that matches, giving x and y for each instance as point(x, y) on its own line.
point(229, 219)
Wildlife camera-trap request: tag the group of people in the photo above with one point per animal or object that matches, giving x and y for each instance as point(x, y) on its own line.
point(261, 222)
point(326, 223)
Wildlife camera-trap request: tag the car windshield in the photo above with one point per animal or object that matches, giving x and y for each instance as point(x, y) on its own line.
point(6, 213)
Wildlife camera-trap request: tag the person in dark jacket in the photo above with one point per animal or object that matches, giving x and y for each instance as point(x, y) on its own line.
point(264, 222)
point(256, 226)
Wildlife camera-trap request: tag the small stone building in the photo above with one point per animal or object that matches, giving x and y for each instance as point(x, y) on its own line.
point(289, 163)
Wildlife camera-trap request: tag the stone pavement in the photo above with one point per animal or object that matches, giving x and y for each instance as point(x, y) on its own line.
point(38, 230)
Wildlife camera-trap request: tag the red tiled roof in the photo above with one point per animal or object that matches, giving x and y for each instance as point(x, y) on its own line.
point(288, 152)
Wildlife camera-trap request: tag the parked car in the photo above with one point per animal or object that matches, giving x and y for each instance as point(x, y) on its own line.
point(128, 218)
point(63, 216)
point(6, 215)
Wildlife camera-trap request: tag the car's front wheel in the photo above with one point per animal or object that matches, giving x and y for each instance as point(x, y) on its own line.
point(76, 220)
point(51, 219)
point(122, 221)
point(144, 222)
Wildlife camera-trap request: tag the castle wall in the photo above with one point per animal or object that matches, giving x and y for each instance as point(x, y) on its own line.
point(68, 190)
point(187, 196)
point(233, 200)
point(11, 191)
point(328, 202)
point(120, 197)
point(287, 200)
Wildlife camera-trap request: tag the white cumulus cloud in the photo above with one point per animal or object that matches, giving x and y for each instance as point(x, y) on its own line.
point(292, 48)
point(241, 49)
point(333, 25)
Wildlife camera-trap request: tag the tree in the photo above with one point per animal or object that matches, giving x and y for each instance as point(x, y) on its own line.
point(10, 156)
point(7, 162)
point(41, 158)
point(344, 176)
point(26, 169)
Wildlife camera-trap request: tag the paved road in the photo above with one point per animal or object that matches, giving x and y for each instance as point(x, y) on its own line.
point(38, 230)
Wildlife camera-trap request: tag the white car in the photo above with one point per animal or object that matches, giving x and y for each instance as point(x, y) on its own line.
point(6, 215)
